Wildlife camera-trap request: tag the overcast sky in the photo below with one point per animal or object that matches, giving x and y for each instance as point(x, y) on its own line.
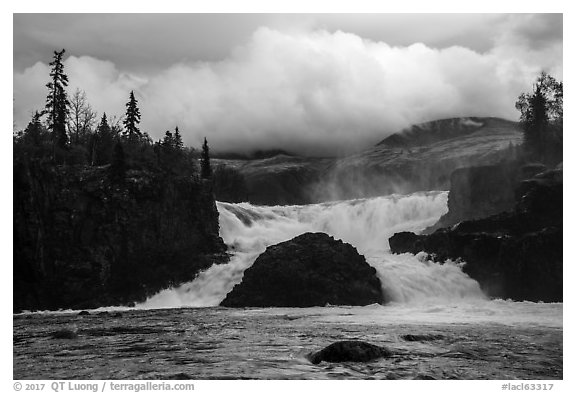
point(313, 84)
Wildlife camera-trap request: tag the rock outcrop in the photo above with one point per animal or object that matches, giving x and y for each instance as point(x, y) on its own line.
point(515, 254)
point(479, 192)
point(312, 269)
point(349, 351)
point(66, 334)
point(82, 240)
point(482, 191)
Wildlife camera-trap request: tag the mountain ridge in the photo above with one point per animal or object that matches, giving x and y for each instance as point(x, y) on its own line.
point(442, 129)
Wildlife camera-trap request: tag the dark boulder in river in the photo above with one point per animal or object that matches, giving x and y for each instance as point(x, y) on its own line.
point(515, 254)
point(349, 351)
point(312, 269)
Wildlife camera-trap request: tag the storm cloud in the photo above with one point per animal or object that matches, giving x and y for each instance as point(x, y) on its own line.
point(314, 92)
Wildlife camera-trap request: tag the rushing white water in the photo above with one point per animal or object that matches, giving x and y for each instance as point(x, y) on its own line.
point(365, 223)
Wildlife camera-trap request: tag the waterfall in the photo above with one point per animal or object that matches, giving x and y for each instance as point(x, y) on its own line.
point(365, 223)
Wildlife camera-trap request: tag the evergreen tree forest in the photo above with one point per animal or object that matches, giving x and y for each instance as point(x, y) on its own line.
point(69, 132)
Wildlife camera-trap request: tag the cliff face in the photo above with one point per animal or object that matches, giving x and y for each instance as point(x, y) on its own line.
point(482, 191)
point(478, 192)
point(82, 240)
point(515, 254)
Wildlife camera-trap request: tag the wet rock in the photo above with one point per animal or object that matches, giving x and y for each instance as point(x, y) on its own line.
point(66, 334)
point(349, 351)
point(312, 269)
point(515, 254)
point(403, 242)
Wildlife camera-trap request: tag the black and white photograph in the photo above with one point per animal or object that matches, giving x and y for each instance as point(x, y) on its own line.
point(287, 196)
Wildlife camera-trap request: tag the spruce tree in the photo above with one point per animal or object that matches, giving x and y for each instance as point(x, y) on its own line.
point(132, 119)
point(205, 169)
point(33, 132)
point(178, 144)
point(103, 145)
point(57, 104)
point(166, 152)
point(104, 126)
point(168, 142)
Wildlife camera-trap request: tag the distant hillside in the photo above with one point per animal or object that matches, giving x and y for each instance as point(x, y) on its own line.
point(279, 180)
point(258, 154)
point(441, 130)
point(420, 157)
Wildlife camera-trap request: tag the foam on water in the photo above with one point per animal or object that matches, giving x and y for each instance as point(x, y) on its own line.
point(472, 311)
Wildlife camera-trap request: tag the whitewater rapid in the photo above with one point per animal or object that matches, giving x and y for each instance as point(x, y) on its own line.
point(365, 223)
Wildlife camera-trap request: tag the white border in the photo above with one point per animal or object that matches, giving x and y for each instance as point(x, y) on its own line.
point(339, 6)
